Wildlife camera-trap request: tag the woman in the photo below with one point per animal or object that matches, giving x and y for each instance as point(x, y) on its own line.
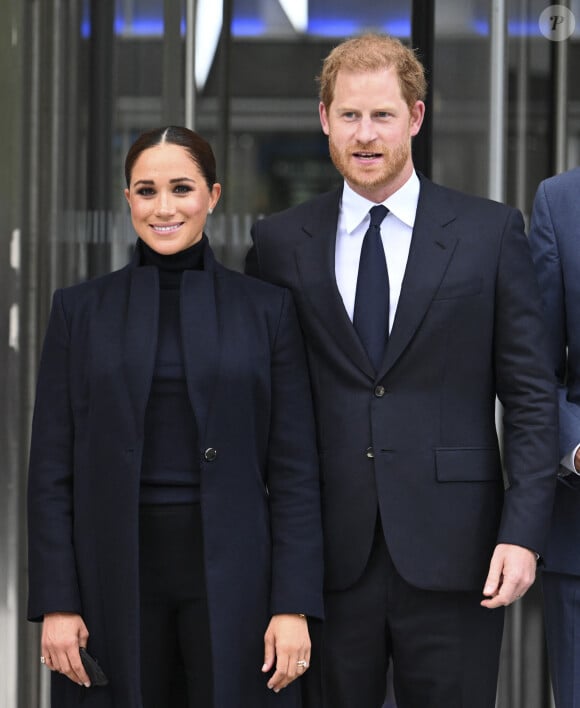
point(174, 520)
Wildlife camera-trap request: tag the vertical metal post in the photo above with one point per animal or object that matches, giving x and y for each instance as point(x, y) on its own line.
point(12, 198)
point(497, 101)
point(100, 128)
point(512, 650)
point(190, 92)
point(560, 59)
point(522, 107)
point(172, 79)
point(224, 98)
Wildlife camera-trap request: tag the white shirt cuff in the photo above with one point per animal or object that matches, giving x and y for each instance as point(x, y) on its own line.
point(568, 461)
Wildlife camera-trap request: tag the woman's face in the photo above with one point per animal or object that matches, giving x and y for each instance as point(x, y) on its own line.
point(169, 198)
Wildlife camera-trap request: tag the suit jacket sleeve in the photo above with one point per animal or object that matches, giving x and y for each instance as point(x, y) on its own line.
point(526, 388)
point(547, 259)
point(53, 583)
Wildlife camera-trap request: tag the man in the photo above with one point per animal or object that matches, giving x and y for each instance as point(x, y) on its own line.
point(416, 520)
point(555, 243)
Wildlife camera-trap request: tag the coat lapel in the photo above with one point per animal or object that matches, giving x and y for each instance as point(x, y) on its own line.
point(316, 266)
point(140, 337)
point(432, 246)
point(200, 331)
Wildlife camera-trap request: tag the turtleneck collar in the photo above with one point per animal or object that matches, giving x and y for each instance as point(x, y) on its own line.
point(189, 259)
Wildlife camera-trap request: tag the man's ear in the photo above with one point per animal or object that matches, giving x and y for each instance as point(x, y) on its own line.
point(417, 115)
point(323, 118)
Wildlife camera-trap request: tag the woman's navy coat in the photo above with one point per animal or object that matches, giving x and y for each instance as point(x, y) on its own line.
point(247, 382)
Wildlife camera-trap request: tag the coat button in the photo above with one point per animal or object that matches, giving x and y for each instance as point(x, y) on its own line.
point(379, 391)
point(370, 453)
point(210, 454)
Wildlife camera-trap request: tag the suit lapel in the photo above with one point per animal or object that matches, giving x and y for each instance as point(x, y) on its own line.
point(432, 246)
point(316, 266)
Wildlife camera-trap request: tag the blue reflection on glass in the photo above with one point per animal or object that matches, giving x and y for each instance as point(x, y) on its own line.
point(248, 27)
point(329, 27)
point(249, 22)
point(516, 28)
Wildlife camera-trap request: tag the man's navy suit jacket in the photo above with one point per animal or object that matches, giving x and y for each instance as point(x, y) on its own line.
point(417, 440)
point(555, 242)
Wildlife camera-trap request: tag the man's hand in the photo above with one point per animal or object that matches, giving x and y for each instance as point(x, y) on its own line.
point(287, 645)
point(511, 572)
point(62, 635)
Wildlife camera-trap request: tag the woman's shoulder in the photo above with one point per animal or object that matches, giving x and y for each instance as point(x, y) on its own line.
point(86, 289)
point(250, 285)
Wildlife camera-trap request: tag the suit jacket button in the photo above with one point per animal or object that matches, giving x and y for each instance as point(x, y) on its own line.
point(210, 454)
point(379, 391)
point(370, 453)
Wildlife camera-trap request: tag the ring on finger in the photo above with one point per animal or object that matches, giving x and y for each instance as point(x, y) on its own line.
point(301, 663)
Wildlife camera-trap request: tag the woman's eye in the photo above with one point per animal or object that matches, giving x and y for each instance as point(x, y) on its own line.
point(145, 192)
point(182, 189)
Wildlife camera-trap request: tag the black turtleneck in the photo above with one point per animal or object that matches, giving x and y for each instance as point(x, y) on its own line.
point(170, 470)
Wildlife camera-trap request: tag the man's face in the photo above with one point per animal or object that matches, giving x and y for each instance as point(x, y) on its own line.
point(369, 128)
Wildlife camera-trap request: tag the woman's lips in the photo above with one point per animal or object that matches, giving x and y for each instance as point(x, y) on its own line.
point(166, 228)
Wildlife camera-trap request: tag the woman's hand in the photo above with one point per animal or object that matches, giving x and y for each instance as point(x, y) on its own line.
point(287, 645)
point(62, 635)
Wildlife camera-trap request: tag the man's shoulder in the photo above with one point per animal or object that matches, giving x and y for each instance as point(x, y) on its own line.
point(461, 203)
point(459, 196)
point(563, 181)
point(305, 210)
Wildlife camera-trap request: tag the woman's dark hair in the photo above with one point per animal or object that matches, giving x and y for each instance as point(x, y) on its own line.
point(197, 147)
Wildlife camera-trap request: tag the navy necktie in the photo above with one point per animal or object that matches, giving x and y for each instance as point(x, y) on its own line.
point(371, 306)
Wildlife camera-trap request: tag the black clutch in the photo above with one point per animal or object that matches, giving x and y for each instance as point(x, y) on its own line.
point(94, 671)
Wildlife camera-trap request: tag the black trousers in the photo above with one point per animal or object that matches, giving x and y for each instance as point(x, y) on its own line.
point(176, 668)
point(444, 646)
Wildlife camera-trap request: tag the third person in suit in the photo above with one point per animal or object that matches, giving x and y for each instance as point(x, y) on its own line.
point(555, 243)
point(419, 305)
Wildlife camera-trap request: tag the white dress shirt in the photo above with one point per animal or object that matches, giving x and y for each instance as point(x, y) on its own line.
point(396, 232)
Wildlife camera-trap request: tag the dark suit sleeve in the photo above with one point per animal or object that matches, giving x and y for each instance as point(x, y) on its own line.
point(293, 478)
point(547, 260)
point(53, 584)
point(526, 388)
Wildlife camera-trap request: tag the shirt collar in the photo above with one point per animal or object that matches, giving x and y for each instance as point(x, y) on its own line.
point(402, 204)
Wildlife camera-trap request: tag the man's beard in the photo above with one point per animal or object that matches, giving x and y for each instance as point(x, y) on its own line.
point(393, 163)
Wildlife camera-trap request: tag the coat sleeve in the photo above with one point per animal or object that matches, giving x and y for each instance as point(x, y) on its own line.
point(547, 260)
point(53, 583)
point(526, 388)
point(293, 476)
